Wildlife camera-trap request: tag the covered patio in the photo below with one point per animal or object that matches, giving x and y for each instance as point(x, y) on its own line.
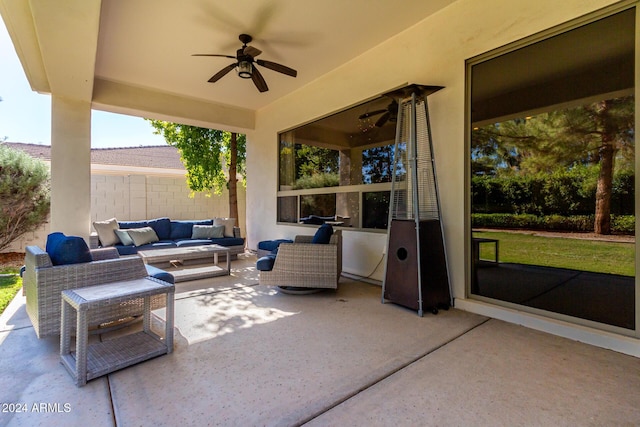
point(246, 354)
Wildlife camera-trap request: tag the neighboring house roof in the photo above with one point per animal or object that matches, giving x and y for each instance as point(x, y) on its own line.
point(157, 156)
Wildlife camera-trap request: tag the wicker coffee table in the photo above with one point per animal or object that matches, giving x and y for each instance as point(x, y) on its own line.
point(170, 255)
point(95, 360)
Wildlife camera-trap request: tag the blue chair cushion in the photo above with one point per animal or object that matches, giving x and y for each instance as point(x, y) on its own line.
point(53, 239)
point(270, 245)
point(266, 263)
point(323, 235)
point(160, 274)
point(65, 250)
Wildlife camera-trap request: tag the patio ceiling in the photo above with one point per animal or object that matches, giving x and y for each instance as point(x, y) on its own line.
point(134, 56)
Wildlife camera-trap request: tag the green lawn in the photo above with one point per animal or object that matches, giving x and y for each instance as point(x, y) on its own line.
point(9, 287)
point(576, 254)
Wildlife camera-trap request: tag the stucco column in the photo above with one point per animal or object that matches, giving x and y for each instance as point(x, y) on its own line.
point(70, 167)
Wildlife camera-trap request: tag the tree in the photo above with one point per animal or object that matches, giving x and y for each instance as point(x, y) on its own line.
point(206, 153)
point(611, 124)
point(24, 194)
point(595, 134)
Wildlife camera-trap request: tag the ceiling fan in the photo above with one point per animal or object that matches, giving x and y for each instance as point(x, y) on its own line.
point(245, 65)
point(388, 114)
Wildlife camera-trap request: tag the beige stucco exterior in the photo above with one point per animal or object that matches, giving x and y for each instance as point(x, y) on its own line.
point(433, 53)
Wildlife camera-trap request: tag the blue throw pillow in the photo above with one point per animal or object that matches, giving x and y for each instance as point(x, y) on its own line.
point(65, 250)
point(323, 235)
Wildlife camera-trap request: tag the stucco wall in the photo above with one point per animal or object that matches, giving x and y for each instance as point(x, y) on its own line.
point(135, 197)
point(432, 52)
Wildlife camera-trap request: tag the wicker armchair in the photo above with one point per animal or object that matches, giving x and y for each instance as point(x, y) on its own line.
point(43, 282)
point(303, 264)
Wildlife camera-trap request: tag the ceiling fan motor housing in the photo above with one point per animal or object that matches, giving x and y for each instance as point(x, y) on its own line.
point(245, 57)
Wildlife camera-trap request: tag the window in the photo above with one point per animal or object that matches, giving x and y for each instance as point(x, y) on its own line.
point(338, 169)
point(552, 152)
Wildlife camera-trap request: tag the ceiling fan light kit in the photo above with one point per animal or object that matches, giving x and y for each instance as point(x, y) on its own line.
point(244, 69)
point(245, 57)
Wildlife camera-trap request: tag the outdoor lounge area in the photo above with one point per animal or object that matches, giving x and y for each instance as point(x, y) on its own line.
point(246, 354)
point(320, 133)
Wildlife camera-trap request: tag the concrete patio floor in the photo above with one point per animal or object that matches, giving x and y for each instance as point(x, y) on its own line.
point(247, 355)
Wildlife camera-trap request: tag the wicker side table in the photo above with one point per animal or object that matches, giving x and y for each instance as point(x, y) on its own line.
point(92, 361)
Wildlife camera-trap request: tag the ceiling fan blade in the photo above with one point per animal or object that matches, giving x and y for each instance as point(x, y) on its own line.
point(252, 51)
point(277, 67)
point(220, 74)
point(258, 80)
point(383, 119)
point(213, 54)
point(371, 113)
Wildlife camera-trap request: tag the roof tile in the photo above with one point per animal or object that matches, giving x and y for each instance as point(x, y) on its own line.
point(157, 156)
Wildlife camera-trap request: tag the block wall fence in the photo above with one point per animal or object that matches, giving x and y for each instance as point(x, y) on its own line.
point(137, 197)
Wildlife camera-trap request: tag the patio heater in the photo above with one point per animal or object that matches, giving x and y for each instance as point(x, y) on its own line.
point(416, 273)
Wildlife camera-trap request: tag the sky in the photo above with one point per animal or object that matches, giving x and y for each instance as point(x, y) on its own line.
point(25, 116)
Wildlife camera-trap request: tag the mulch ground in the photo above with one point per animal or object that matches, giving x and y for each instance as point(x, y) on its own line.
point(12, 259)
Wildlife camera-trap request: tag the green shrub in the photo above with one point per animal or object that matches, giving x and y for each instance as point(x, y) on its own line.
point(624, 224)
point(564, 192)
point(24, 194)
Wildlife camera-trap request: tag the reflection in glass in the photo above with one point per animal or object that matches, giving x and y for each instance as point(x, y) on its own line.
point(287, 209)
point(552, 191)
point(375, 209)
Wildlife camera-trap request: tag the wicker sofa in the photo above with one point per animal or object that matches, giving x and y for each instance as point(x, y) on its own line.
point(303, 264)
point(43, 282)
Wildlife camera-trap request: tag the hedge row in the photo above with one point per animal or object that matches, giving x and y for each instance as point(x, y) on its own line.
point(623, 224)
point(571, 192)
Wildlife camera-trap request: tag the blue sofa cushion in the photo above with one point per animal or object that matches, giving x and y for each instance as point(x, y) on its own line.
point(162, 227)
point(65, 250)
point(125, 225)
point(184, 229)
point(270, 245)
point(228, 241)
point(192, 242)
point(132, 250)
point(160, 274)
point(323, 235)
point(266, 263)
point(162, 244)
